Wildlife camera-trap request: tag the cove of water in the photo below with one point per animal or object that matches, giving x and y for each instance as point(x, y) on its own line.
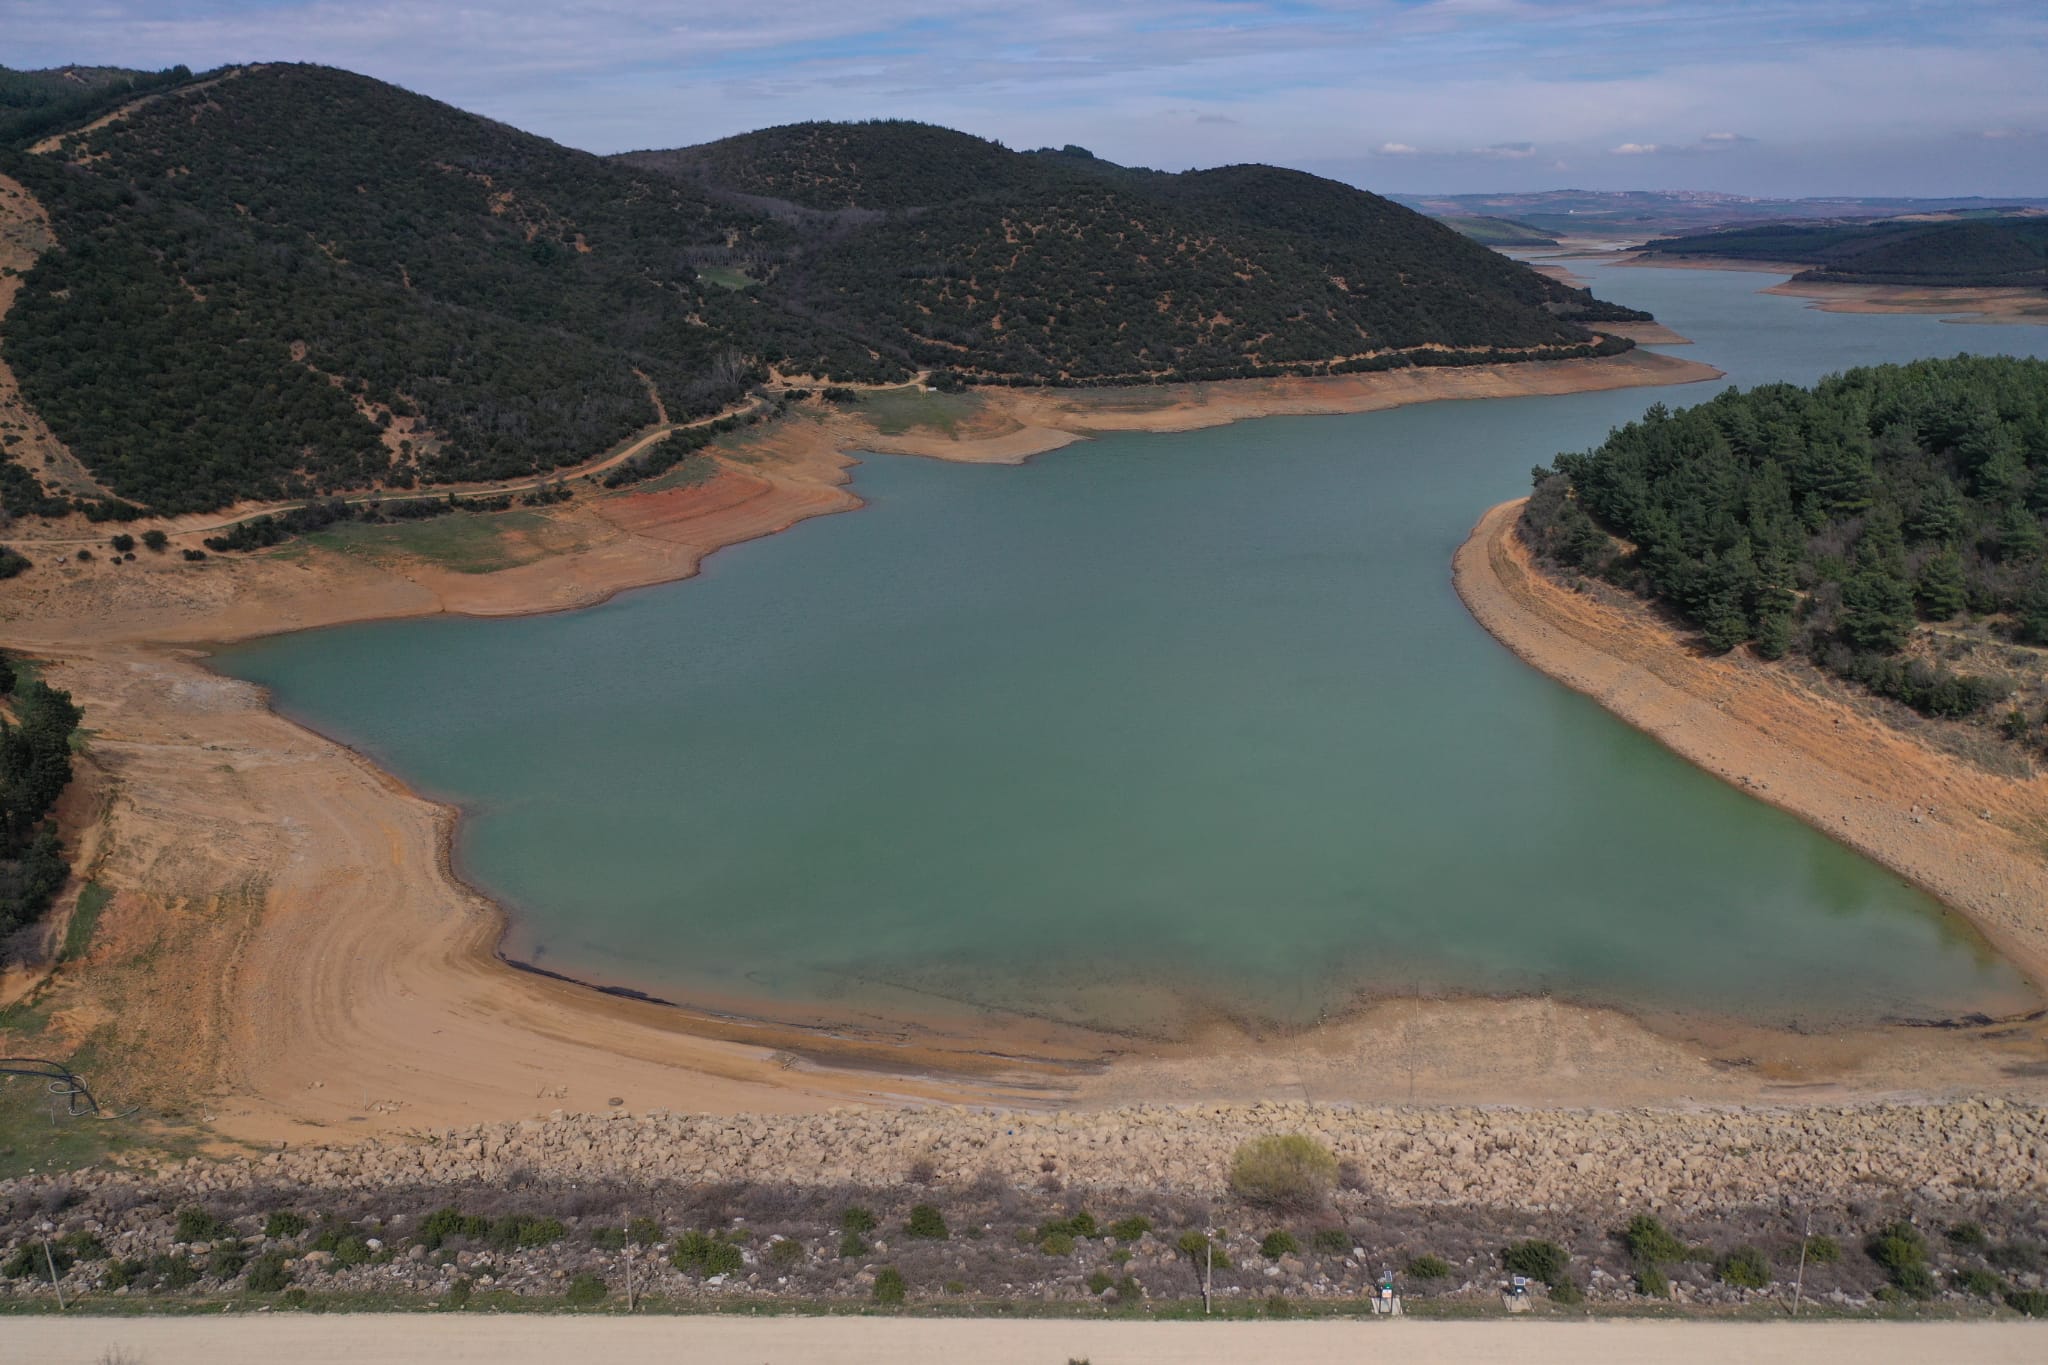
point(1152, 724)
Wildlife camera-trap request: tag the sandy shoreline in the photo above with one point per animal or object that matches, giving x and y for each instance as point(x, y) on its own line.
point(335, 979)
point(1970, 837)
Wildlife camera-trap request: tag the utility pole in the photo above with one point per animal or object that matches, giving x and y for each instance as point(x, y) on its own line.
point(1799, 1281)
point(50, 1260)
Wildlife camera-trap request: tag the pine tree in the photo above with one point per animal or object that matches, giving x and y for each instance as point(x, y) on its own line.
point(1941, 586)
point(1877, 611)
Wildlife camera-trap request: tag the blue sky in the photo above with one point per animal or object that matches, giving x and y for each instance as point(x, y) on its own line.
point(1781, 97)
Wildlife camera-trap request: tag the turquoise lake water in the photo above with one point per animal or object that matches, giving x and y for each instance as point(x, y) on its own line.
point(1150, 725)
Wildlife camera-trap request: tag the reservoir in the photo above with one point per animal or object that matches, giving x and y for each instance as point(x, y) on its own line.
point(1153, 728)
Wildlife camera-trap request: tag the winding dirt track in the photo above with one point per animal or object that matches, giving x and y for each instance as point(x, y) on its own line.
point(401, 1339)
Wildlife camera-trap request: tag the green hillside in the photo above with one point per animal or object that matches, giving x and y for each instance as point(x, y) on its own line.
point(1973, 251)
point(1827, 522)
point(282, 281)
point(1057, 267)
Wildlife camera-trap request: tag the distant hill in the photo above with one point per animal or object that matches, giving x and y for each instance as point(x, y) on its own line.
point(277, 281)
point(1973, 251)
point(1490, 231)
point(1637, 214)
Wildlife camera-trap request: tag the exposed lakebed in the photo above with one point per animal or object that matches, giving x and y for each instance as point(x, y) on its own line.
point(1151, 725)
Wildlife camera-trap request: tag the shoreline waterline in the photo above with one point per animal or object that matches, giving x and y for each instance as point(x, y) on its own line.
point(1522, 608)
point(554, 1019)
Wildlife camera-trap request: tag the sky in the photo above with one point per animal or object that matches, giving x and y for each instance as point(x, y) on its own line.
point(1761, 97)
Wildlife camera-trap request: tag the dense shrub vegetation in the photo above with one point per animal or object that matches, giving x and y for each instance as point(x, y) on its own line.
point(35, 767)
point(1827, 521)
point(284, 281)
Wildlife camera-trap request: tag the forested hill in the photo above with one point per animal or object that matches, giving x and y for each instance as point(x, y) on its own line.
point(1887, 524)
point(1051, 266)
point(276, 281)
point(1974, 251)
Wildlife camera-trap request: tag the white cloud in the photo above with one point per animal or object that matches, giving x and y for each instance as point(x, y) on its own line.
point(1507, 151)
point(1398, 149)
point(1637, 149)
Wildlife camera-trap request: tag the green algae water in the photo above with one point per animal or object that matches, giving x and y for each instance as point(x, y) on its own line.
point(1153, 725)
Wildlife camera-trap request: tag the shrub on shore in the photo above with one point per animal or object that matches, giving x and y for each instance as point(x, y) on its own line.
point(1428, 1267)
point(1536, 1259)
point(1279, 1243)
point(1288, 1173)
point(927, 1222)
point(889, 1286)
point(1744, 1268)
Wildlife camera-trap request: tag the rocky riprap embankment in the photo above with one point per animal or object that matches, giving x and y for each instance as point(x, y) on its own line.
point(1681, 1159)
point(1453, 1183)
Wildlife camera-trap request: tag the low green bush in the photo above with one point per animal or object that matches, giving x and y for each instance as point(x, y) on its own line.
point(1288, 1173)
point(1428, 1267)
point(285, 1223)
point(1968, 1236)
point(585, 1291)
point(1649, 1242)
point(2032, 1302)
point(785, 1252)
point(1652, 1282)
point(889, 1286)
point(516, 1231)
point(707, 1255)
point(459, 1292)
point(1078, 1226)
point(173, 1272)
point(1100, 1283)
point(267, 1274)
point(1822, 1249)
point(857, 1220)
point(1278, 1243)
point(1985, 1284)
point(438, 1226)
point(1539, 1260)
point(1900, 1250)
point(27, 1262)
point(608, 1238)
point(1057, 1244)
point(643, 1232)
point(200, 1225)
point(1130, 1229)
point(1567, 1293)
point(926, 1222)
point(1915, 1282)
point(86, 1246)
point(1331, 1241)
point(1744, 1267)
point(851, 1246)
point(227, 1260)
